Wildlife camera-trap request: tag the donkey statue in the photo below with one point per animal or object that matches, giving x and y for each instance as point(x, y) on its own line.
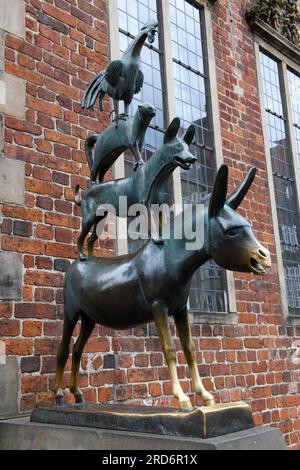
point(144, 186)
point(153, 283)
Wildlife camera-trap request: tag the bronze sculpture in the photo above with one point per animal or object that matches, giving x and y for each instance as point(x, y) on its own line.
point(143, 186)
point(153, 283)
point(123, 78)
point(129, 135)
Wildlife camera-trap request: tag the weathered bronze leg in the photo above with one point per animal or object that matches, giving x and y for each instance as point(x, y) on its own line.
point(184, 332)
point(87, 326)
point(169, 350)
point(116, 108)
point(94, 236)
point(92, 240)
point(62, 357)
point(80, 241)
point(154, 228)
point(137, 155)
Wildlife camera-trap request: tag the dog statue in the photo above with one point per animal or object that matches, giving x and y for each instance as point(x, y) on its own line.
point(144, 186)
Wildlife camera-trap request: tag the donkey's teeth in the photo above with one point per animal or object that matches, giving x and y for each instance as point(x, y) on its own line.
point(256, 267)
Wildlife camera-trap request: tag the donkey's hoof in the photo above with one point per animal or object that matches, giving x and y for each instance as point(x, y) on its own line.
point(59, 398)
point(79, 401)
point(82, 258)
point(78, 395)
point(209, 402)
point(186, 405)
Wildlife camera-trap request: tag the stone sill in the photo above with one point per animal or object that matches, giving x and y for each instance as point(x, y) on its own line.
point(278, 41)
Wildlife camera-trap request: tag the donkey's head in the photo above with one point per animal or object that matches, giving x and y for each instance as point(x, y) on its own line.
point(231, 241)
point(176, 149)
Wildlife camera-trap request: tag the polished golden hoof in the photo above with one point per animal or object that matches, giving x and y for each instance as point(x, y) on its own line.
point(186, 405)
point(209, 403)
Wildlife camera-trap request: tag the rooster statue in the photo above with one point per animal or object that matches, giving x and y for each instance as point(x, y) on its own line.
point(123, 78)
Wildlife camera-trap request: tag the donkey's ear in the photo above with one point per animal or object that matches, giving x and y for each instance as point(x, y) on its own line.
point(172, 130)
point(219, 192)
point(238, 195)
point(189, 135)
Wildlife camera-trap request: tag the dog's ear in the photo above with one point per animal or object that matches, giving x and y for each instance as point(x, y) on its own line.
point(172, 130)
point(189, 135)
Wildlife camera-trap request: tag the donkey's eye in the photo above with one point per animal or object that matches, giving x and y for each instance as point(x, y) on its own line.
point(232, 232)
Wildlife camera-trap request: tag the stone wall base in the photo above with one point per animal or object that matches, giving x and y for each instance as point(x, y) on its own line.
point(20, 434)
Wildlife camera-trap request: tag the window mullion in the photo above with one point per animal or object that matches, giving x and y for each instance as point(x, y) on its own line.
point(287, 106)
point(169, 85)
point(119, 166)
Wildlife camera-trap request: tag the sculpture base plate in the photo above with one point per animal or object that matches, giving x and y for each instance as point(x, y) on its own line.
point(21, 434)
point(203, 422)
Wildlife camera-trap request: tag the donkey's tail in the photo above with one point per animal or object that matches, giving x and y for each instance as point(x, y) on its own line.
point(89, 144)
point(77, 198)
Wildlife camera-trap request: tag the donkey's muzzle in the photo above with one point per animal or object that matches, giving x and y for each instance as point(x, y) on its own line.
point(260, 260)
point(185, 163)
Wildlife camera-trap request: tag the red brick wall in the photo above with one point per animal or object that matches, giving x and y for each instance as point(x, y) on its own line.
point(66, 42)
point(258, 350)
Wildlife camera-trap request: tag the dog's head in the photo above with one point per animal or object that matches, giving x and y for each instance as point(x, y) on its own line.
point(177, 148)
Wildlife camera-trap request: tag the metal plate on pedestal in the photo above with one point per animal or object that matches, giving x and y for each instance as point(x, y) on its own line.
point(203, 422)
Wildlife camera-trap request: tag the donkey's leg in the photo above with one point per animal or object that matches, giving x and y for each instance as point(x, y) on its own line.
point(87, 326)
point(169, 350)
point(62, 356)
point(184, 332)
point(95, 234)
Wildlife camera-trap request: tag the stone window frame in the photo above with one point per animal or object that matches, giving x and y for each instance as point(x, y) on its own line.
point(119, 168)
point(269, 41)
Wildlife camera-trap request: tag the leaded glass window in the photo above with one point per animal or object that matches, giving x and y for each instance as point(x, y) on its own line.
point(294, 90)
point(132, 15)
point(192, 105)
point(191, 89)
point(284, 171)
